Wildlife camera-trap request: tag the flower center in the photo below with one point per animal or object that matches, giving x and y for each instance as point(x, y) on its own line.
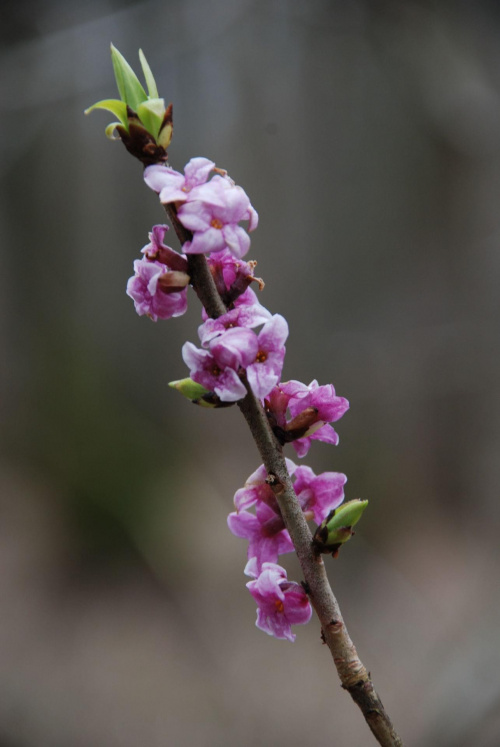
point(279, 606)
point(215, 370)
point(261, 357)
point(216, 223)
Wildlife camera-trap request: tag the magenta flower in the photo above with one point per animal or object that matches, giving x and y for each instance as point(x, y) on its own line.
point(266, 369)
point(256, 489)
point(280, 603)
point(215, 224)
point(318, 494)
point(329, 409)
point(248, 298)
point(261, 355)
point(226, 265)
point(204, 369)
point(322, 398)
point(232, 276)
point(150, 296)
point(175, 187)
point(229, 354)
point(236, 347)
point(311, 408)
point(265, 532)
point(242, 316)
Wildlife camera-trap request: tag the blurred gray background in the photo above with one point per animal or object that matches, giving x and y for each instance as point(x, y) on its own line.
point(367, 135)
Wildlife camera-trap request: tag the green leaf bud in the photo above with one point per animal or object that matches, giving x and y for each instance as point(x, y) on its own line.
point(336, 529)
point(197, 394)
point(145, 124)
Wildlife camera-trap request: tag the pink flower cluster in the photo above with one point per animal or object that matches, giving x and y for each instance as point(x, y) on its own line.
point(211, 209)
point(268, 539)
point(232, 349)
point(240, 350)
point(159, 285)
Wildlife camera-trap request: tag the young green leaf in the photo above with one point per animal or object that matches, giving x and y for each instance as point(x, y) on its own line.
point(116, 107)
point(129, 86)
point(151, 115)
point(148, 76)
point(110, 131)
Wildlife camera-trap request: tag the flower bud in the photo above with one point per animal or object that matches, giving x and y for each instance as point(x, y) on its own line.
point(336, 529)
point(197, 393)
point(173, 281)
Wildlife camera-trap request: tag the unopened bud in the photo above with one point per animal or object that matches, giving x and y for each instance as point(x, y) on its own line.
point(336, 529)
point(197, 394)
point(173, 281)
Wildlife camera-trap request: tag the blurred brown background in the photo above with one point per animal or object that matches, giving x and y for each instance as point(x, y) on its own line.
point(367, 135)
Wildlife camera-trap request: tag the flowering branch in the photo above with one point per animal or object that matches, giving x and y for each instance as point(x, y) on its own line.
point(238, 365)
point(352, 673)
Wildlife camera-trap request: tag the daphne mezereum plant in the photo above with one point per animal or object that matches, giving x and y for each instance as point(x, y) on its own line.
point(239, 361)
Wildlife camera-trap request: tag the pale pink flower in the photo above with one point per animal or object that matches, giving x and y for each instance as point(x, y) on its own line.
point(280, 603)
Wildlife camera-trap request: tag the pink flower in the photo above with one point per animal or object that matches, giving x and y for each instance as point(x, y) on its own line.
point(280, 603)
point(265, 371)
point(175, 187)
point(236, 347)
point(205, 370)
point(150, 296)
point(231, 353)
point(240, 348)
point(214, 217)
point(311, 408)
point(265, 532)
point(323, 398)
point(319, 494)
point(261, 355)
point(248, 298)
point(232, 276)
point(242, 316)
point(256, 489)
point(223, 263)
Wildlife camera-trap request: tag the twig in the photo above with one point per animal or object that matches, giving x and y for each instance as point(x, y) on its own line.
point(352, 673)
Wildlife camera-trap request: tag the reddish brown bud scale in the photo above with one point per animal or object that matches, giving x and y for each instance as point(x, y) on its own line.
point(140, 143)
